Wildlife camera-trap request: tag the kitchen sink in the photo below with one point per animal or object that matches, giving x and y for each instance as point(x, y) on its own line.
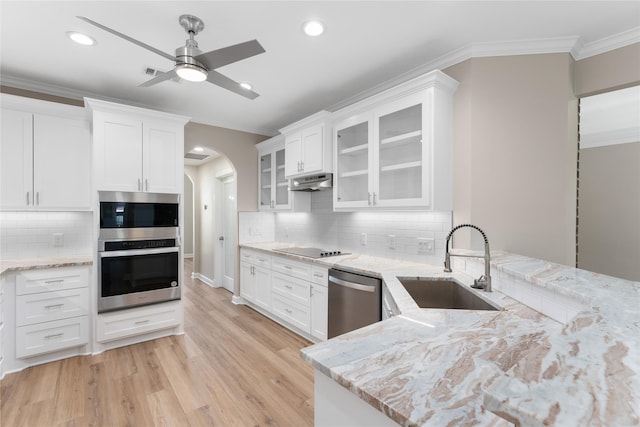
point(449, 294)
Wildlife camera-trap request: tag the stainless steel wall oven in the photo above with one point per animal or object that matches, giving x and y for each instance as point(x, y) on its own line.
point(138, 250)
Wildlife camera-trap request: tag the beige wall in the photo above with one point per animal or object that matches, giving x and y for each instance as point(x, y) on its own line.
point(239, 148)
point(608, 71)
point(514, 167)
point(609, 234)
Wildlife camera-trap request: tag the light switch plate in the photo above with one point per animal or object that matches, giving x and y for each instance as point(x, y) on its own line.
point(426, 245)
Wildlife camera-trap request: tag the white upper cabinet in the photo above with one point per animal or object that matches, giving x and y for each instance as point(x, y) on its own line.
point(137, 149)
point(394, 150)
point(308, 146)
point(273, 187)
point(45, 156)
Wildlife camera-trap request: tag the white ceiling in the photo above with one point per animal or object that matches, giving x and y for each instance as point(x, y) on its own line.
point(365, 45)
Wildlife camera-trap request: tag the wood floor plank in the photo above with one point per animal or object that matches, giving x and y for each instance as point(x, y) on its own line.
point(232, 367)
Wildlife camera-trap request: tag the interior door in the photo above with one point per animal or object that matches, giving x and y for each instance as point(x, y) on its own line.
point(229, 233)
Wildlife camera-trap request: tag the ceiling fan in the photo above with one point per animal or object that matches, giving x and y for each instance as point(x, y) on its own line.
point(194, 65)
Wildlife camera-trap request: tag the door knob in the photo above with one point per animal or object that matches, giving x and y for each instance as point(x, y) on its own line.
point(221, 238)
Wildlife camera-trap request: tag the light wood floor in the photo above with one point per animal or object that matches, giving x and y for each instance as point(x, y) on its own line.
point(232, 367)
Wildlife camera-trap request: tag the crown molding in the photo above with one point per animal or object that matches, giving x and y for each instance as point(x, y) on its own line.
point(606, 44)
point(55, 90)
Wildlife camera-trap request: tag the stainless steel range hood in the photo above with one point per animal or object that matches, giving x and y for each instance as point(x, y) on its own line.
point(318, 182)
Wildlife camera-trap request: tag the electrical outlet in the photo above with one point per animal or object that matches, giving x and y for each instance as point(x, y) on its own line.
point(426, 245)
point(58, 239)
point(363, 239)
point(391, 241)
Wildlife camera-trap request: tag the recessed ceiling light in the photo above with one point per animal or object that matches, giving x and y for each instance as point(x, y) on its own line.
point(245, 85)
point(313, 28)
point(198, 149)
point(80, 38)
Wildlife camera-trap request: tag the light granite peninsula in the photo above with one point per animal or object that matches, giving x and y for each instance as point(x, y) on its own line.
point(428, 367)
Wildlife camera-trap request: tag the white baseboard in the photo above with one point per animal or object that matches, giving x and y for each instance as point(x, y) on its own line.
point(237, 300)
point(188, 255)
point(205, 279)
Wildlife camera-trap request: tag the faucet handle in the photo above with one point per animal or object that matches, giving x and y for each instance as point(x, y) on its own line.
point(480, 282)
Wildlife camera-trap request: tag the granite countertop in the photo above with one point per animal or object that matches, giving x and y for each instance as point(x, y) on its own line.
point(11, 265)
point(430, 367)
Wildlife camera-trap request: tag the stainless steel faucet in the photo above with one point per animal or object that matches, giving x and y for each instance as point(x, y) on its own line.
point(484, 282)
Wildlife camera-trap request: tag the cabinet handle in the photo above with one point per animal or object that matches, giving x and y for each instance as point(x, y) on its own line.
point(142, 322)
point(288, 267)
point(56, 281)
point(37, 198)
point(288, 310)
point(369, 199)
point(52, 306)
point(318, 275)
point(374, 198)
point(390, 313)
point(253, 270)
point(52, 336)
point(288, 287)
point(146, 184)
point(27, 198)
point(139, 185)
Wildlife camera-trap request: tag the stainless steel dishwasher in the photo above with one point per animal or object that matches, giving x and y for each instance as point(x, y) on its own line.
point(354, 301)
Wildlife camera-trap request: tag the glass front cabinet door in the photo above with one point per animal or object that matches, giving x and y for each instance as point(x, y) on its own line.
point(402, 154)
point(353, 179)
point(274, 191)
point(383, 157)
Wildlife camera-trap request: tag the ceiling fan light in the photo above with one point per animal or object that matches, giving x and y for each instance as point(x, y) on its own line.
point(191, 73)
point(246, 86)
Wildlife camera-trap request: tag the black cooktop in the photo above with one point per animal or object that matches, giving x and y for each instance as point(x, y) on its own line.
point(311, 252)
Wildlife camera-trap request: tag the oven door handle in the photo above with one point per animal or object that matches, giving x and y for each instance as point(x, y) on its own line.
point(357, 286)
point(135, 252)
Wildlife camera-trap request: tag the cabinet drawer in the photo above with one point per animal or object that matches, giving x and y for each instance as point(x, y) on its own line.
point(320, 275)
point(295, 289)
point(48, 306)
point(296, 314)
point(55, 279)
point(46, 337)
point(247, 255)
point(262, 260)
point(291, 268)
point(135, 321)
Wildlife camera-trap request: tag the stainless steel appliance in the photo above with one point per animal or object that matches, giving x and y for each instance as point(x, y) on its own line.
point(311, 252)
point(354, 301)
point(138, 250)
point(319, 182)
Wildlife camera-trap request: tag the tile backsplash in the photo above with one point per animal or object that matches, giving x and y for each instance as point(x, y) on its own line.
point(30, 234)
point(344, 230)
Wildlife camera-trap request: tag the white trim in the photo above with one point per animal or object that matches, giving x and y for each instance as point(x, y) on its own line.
point(204, 279)
point(607, 44)
point(188, 255)
point(613, 137)
point(224, 173)
point(238, 300)
point(55, 90)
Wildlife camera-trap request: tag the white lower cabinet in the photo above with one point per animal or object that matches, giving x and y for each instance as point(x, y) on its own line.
point(51, 310)
point(293, 292)
point(319, 302)
point(255, 278)
point(40, 338)
point(137, 321)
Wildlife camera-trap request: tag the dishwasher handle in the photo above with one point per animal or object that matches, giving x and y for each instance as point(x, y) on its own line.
point(352, 285)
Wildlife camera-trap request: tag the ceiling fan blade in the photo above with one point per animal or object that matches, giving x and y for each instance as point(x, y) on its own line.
point(132, 40)
point(225, 82)
point(159, 78)
point(230, 54)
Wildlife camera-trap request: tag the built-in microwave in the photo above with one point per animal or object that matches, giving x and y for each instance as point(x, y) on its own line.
point(138, 249)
